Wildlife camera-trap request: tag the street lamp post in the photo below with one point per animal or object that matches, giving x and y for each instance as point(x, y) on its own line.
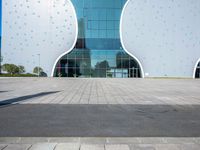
point(1, 60)
point(38, 65)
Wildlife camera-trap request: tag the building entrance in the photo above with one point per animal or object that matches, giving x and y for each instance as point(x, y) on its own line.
point(98, 51)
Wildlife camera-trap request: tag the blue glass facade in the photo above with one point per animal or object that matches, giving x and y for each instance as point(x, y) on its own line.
point(98, 51)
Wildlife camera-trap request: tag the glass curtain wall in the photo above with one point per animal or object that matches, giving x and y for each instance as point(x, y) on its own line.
point(197, 74)
point(98, 51)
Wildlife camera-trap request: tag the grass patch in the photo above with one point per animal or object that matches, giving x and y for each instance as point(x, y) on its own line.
point(18, 75)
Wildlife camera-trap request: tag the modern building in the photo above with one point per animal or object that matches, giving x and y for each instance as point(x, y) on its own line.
point(103, 38)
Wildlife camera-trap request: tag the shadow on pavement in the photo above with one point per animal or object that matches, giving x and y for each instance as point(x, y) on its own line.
point(54, 120)
point(3, 91)
point(23, 98)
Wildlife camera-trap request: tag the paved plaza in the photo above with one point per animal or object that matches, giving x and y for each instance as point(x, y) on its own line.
point(99, 114)
point(99, 91)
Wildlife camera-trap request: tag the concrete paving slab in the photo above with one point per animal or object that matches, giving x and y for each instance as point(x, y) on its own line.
point(3, 146)
point(18, 147)
point(190, 147)
point(93, 140)
point(103, 140)
point(143, 147)
point(180, 140)
point(43, 146)
point(127, 140)
point(119, 144)
point(151, 140)
point(67, 146)
point(197, 140)
point(168, 147)
point(64, 140)
point(31, 140)
point(9, 139)
point(92, 147)
point(117, 147)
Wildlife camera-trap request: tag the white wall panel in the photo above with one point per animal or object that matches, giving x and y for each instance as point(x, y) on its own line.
point(164, 35)
point(31, 27)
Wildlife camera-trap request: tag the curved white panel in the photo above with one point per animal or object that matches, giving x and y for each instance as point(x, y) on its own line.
point(74, 43)
point(30, 27)
point(195, 67)
point(122, 41)
point(163, 35)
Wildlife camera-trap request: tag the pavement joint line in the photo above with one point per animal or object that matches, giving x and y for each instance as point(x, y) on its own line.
point(4, 147)
point(30, 147)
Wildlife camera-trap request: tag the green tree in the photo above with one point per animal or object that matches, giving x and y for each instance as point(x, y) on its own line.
point(43, 74)
point(37, 70)
point(21, 69)
point(101, 68)
point(10, 68)
point(102, 64)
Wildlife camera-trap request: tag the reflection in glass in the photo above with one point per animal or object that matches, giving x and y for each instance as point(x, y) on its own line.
point(98, 51)
point(197, 73)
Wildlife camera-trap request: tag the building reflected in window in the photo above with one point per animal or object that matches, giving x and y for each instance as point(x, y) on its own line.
point(98, 51)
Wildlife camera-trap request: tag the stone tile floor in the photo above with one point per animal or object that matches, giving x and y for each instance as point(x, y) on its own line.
point(100, 91)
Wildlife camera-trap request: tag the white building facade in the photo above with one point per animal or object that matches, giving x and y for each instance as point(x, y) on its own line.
point(157, 38)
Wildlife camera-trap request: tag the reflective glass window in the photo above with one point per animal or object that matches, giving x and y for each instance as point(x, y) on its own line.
point(98, 51)
point(197, 73)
